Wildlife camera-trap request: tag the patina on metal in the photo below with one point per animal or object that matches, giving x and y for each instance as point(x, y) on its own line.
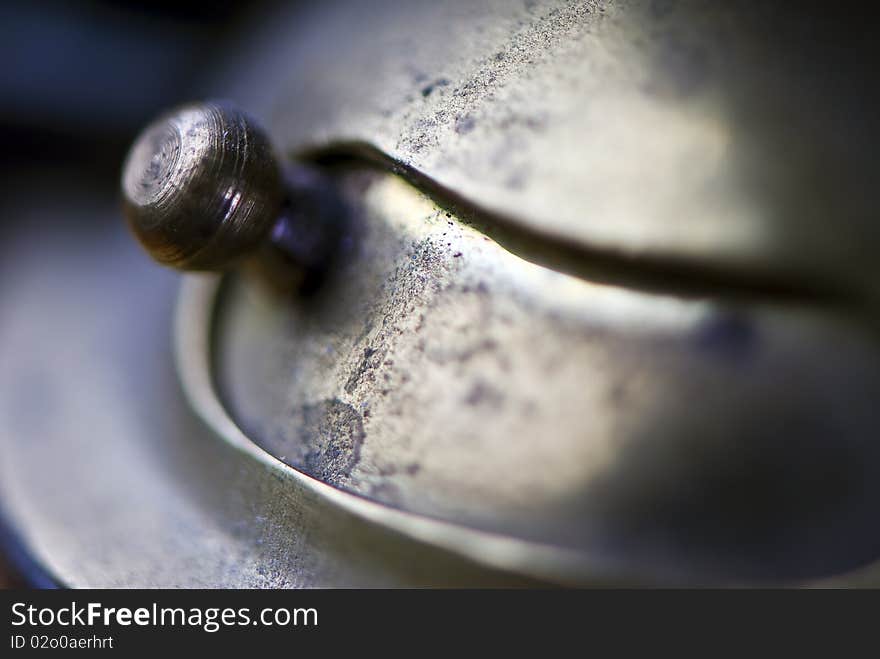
point(452, 406)
point(725, 140)
point(697, 440)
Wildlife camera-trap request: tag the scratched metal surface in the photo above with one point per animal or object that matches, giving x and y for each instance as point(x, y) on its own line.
point(108, 478)
point(736, 136)
point(440, 374)
point(729, 436)
point(443, 375)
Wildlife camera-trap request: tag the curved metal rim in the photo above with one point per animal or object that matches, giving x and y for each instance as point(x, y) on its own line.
point(193, 348)
point(192, 343)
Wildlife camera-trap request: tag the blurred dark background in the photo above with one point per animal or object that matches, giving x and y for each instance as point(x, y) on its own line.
point(79, 79)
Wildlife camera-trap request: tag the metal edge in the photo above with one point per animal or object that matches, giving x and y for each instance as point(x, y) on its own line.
point(194, 315)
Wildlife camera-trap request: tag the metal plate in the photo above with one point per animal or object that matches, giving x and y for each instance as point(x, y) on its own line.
point(736, 137)
point(111, 480)
point(695, 439)
point(497, 422)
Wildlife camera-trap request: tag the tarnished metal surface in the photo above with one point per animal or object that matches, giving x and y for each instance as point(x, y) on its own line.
point(111, 481)
point(471, 417)
point(108, 477)
point(737, 136)
point(440, 374)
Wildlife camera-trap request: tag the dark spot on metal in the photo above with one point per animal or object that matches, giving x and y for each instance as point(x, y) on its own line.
point(727, 335)
point(439, 82)
point(482, 393)
point(367, 364)
point(464, 125)
point(330, 435)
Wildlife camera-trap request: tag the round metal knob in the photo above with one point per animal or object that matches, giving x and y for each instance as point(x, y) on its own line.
point(202, 187)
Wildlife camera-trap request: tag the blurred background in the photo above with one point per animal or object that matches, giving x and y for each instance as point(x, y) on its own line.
point(79, 79)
